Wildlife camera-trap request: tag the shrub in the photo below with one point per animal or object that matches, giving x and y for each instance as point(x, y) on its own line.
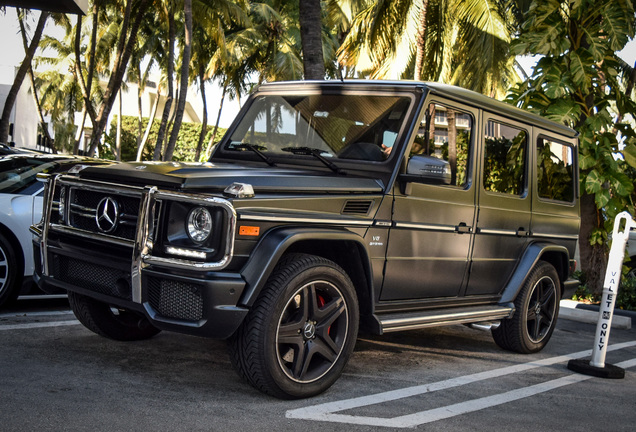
point(185, 148)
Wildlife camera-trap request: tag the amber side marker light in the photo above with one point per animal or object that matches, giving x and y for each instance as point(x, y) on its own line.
point(249, 230)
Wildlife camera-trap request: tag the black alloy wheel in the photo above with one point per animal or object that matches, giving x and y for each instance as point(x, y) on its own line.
point(536, 312)
point(301, 331)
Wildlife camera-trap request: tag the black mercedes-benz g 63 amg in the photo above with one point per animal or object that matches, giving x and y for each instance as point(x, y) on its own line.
point(327, 206)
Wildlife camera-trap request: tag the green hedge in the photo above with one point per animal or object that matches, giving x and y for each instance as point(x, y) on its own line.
point(184, 150)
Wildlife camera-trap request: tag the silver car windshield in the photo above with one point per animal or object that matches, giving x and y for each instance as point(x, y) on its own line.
point(360, 127)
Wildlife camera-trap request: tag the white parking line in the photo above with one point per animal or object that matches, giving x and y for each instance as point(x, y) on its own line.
point(35, 314)
point(326, 411)
point(38, 325)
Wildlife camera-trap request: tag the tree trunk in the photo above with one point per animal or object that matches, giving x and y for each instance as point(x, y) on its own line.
point(185, 77)
point(151, 120)
point(86, 86)
point(311, 39)
point(208, 151)
point(140, 117)
point(204, 121)
point(19, 78)
point(118, 138)
point(122, 55)
point(452, 144)
point(80, 130)
point(593, 257)
point(168, 105)
point(421, 43)
point(36, 99)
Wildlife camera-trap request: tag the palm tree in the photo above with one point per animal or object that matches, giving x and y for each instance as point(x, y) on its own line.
point(310, 20)
point(19, 77)
point(131, 18)
point(463, 42)
point(185, 76)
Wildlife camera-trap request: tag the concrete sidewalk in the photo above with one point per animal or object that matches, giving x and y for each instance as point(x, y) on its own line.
point(571, 310)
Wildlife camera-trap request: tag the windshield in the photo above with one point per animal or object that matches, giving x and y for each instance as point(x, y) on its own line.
point(360, 127)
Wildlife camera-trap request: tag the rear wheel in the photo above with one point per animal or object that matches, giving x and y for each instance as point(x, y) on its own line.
point(536, 312)
point(110, 322)
point(10, 272)
point(301, 331)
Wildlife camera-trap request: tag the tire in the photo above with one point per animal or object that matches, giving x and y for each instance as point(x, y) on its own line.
point(110, 322)
point(301, 331)
point(536, 312)
point(11, 266)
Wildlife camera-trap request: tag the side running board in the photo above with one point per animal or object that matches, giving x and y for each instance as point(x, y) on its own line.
point(435, 318)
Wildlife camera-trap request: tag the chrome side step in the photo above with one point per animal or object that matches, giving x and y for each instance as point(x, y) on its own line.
point(435, 318)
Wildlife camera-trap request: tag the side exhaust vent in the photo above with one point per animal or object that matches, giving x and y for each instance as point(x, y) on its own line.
point(357, 207)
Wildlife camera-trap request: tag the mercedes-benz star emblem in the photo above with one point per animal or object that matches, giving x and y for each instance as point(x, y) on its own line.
point(107, 215)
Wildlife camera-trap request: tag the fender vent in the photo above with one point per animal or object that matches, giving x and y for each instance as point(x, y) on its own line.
point(357, 207)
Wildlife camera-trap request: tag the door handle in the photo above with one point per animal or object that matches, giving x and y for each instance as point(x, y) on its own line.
point(522, 232)
point(462, 228)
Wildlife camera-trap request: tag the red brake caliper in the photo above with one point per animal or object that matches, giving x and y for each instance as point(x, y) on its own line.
point(321, 303)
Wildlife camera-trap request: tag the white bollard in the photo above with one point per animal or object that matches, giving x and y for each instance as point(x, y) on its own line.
point(596, 366)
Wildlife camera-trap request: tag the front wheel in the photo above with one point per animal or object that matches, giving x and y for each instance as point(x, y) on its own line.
point(536, 312)
point(110, 322)
point(301, 331)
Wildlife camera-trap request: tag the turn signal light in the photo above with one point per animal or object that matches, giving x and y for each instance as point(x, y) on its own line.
point(249, 230)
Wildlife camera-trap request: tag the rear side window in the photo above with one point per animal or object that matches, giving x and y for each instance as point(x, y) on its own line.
point(505, 159)
point(555, 176)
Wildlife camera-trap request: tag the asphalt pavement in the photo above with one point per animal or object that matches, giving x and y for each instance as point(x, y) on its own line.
point(56, 375)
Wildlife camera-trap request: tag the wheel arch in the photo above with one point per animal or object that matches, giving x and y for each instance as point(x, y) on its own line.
point(557, 256)
point(345, 248)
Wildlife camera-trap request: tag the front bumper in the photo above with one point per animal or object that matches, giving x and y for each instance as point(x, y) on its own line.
point(120, 269)
point(201, 304)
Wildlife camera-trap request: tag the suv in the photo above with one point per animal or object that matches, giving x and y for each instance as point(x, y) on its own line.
point(325, 207)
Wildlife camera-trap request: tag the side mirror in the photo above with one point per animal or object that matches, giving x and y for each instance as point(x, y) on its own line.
point(425, 169)
point(428, 169)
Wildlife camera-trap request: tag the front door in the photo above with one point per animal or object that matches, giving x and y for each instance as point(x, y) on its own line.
point(433, 211)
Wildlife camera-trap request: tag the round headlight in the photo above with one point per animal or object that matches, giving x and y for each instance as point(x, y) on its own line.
point(199, 224)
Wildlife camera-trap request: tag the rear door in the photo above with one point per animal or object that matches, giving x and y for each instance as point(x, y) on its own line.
point(504, 205)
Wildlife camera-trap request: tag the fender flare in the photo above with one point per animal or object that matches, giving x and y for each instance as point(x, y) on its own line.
point(275, 243)
point(530, 257)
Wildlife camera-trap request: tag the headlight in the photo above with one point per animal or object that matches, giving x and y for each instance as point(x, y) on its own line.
point(199, 224)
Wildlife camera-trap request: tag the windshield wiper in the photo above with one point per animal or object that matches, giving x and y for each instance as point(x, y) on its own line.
point(254, 148)
point(317, 153)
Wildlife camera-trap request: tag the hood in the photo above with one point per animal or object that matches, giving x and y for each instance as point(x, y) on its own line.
point(215, 177)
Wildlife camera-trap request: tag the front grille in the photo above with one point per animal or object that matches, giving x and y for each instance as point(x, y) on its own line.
point(93, 277)
point(83, 212)
point(174, 299)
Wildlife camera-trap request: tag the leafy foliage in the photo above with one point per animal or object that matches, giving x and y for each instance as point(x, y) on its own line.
point(184, 151)
point(581, 82)
point(625, 299)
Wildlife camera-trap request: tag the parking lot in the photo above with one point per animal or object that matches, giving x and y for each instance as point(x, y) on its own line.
point(56, 375)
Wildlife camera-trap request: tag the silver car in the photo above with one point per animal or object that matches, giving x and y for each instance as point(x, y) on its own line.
point(20, 207)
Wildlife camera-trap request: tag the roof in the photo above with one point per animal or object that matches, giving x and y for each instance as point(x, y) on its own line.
point(458, 94)
point(66, 6)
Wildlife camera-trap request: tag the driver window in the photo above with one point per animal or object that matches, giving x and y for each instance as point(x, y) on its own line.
point(444, 138)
